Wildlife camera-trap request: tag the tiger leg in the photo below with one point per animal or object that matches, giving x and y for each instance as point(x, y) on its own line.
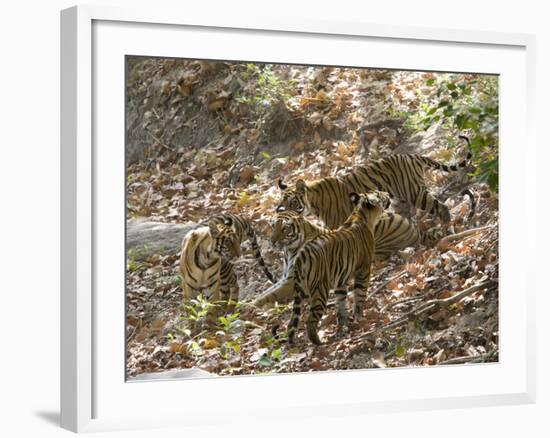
point(341, 310)
point(316, 312)
point(425, 201)
point(188, 291)
point(299, 296)
point(229, 288)
point(360, 292)
point(214, 298)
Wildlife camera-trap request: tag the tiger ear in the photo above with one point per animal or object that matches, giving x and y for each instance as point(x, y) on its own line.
point(214, 231)
point(354, 198)
point(282, 185)
point(300, 186)
point(227, 221)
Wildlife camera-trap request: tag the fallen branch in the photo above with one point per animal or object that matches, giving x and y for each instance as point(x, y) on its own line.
point(385, 283)
point(458, 236)
point(468, 359)
point(280, 292)
point(432, 306)
point(397, 303)
point(159, 142)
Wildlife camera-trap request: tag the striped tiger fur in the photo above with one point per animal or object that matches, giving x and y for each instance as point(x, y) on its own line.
point(206, 261)
point(392, 233)
point(401, 175)
point(331, 260)
point(291, 231)
point(243, 229)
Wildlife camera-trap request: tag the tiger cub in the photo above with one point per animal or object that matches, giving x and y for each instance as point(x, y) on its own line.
point(206, 261)
point(392, 233)
point(292, 230)
point(331, 260)
point(244, 230)
point(401, 175)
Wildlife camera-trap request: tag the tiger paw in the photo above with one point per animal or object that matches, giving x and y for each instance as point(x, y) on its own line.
point(342, 319)
point(357, 314)
point(312, 334)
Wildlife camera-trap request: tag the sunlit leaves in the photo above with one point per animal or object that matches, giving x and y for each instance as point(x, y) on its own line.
point(468, 103)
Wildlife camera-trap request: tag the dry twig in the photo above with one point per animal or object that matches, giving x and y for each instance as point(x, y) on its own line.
point(467, 233)
point(432, 305)
point(468, 359)
point(160, 142)
point(385, 283)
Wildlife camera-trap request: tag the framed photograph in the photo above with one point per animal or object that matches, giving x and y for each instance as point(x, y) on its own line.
point(330, 214)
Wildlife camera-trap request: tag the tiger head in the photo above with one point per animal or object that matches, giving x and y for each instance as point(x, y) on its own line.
point(293, 199)
point(368, 207)
point(225, 242)
point(287, 231)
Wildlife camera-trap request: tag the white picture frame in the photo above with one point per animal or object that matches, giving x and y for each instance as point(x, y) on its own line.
point(91, 393)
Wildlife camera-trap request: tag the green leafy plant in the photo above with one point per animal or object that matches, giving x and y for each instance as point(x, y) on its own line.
point(464, 104)
point(134, 258)
point(269, 87)
point(268, 157)
point(197, 308)
point(229, 322)
point(230, 347)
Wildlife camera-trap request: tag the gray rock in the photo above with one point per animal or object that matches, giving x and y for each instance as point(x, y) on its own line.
point(179, 373)
point(146, 237)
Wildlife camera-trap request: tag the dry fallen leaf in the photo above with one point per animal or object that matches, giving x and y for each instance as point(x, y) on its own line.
point(247, 175)
point(217, 166)
point(156, 326)
point(210, 343)
point(175, 347)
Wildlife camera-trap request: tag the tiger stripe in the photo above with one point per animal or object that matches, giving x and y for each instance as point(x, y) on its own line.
point(206, 261)
point(401, 175)
point(331, 260)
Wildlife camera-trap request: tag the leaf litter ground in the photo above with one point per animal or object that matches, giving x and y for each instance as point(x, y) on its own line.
point(236, 171)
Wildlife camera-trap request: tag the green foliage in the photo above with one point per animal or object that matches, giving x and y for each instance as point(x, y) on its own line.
point(273, 351)
point(132, 265)
point(138, 253)
point(269, 89)
point(279, 309)
point(197, 308)
point(229, 322)
point(399, 351)
point(135, 257)
point(464, 104)
point(267, 157)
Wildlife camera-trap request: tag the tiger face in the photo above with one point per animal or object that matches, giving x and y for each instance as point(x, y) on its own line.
point(286, 230)
point(225, 242)
point(293, 199)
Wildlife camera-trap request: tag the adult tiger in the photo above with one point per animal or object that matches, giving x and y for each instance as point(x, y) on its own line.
point(206, 262)
point(331, 260)
point(394, 232)
point(291, 231)
point(401, 175)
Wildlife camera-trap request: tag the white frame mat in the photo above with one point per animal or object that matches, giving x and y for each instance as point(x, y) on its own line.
point(94, 394)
